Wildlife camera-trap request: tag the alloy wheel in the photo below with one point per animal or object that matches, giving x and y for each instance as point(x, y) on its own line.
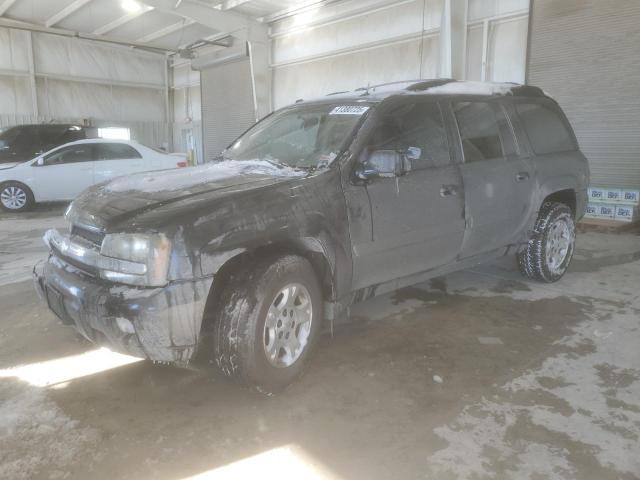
point(13, 198)
point(288, 325)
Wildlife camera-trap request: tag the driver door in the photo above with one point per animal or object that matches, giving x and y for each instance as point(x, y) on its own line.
point(65, 173)
point(417, 220)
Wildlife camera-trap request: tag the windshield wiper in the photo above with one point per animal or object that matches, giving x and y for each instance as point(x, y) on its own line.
point(279, 163)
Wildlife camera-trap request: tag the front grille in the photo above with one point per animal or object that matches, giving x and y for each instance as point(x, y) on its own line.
point(93, 236)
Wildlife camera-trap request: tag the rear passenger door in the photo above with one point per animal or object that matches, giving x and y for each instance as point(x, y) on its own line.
point(114, 159)
point(498, 181)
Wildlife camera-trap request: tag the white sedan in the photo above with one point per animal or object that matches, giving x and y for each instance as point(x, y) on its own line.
point(65, 171)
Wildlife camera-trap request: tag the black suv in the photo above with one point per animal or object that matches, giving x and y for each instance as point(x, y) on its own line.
point(319, 205)
point(24, 142)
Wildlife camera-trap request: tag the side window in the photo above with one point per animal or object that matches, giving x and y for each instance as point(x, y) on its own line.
point(50, 137)
point(115, 151)
point(72, 154)
point(23, 140)
point(73, 134)
point(545, 127)
point(417, 130)
point(479, 131)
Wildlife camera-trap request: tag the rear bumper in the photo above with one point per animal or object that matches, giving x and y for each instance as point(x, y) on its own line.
point(160, 324)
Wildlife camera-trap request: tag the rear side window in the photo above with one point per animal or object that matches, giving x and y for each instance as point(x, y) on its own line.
point(73, 134)
point(50, 136)
point(479, 131)
point(545, 127)
point(115, 151)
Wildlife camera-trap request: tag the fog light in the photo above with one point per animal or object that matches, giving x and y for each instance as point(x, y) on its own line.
point(125, 325)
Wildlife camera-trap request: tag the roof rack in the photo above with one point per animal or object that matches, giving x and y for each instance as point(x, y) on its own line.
point(423, 85)
point(373, 88)
point(527, 91)
point(427, 84)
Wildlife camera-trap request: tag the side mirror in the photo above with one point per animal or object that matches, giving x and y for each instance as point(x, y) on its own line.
point(413, 153)
point(40, 162)
point(381, 163)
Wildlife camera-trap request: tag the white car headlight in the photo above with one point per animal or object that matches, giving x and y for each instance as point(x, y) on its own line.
point(146, 259)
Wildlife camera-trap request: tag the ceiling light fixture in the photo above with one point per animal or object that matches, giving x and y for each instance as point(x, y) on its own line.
point(131, 6)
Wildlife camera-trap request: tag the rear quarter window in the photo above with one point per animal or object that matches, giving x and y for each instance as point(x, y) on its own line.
point(115, 151)
point(546, 128)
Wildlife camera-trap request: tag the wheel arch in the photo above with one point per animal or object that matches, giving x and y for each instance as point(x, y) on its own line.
point(562, 189)
point(309, 248)
point(20, 182)
point(567, 196)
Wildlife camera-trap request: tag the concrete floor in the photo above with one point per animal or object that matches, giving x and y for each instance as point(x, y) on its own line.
point(479, 374)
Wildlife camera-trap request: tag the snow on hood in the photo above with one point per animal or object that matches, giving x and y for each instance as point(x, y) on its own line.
point(473, 88)
point(178, 179)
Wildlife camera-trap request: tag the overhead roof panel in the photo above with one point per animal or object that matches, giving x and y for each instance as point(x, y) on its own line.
point(263, 8)
point(183, 37)
point(93, 15)
point(146, 24)
point(35, 11)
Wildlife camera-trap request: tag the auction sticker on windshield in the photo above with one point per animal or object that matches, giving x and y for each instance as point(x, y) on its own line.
point(349, 110)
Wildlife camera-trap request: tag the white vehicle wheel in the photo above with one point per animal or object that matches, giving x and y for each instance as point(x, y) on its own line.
point(15, 197)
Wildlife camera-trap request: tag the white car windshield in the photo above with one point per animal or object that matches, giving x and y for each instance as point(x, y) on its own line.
point(308, 137)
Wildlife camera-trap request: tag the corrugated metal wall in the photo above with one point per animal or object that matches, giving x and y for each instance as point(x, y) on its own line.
point(586, 54)
point(227, 105)
point(46, 78)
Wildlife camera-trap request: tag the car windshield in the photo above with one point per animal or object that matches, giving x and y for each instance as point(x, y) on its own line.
point(307, 137)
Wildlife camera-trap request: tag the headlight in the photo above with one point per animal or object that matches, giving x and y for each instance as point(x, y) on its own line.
point(137, 259)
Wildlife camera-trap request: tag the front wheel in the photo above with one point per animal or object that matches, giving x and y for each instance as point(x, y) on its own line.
point(547, 255)
point(269, 318)
point(15, 197)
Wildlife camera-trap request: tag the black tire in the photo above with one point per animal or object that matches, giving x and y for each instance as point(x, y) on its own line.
point(9, 188)
point(239, 335)
point(536, 258)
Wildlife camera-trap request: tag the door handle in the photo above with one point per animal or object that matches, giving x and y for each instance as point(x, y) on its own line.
point(522, 176)
point(448, 190)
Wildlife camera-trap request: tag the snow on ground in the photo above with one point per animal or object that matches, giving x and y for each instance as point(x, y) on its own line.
point(587, 395)
point(35, 434)
point(589, 399)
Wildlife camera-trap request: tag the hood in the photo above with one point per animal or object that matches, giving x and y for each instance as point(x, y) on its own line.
point(4, 166)
point(125, 198)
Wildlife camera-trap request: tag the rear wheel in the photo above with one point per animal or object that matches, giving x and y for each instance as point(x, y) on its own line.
point(547, 255)
point(15, 197)
point(269, 319)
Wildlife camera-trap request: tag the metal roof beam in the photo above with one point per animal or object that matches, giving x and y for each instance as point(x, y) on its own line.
point(118, 22)
point(230, 22)
point(6, 5)
point(165, 31)
point(65, 12)
point(229, 4)
point(19, 25)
